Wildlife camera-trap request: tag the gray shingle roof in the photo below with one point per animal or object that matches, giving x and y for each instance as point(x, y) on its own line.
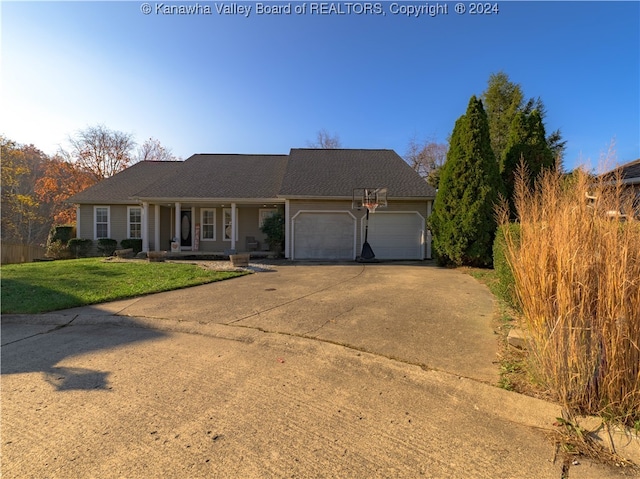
point(222, 176)
point(120, 187)
point(631, 170)
point(312, 173)
point(336, 172)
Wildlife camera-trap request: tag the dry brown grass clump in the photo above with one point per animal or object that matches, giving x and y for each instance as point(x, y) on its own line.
point(577, 274)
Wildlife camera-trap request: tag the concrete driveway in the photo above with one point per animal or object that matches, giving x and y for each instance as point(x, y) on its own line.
point(337, 371)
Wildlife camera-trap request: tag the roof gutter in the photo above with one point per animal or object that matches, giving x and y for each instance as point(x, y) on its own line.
point(349, 198)
point(207, 200)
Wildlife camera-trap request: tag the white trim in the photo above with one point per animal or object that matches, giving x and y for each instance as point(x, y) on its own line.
point(287, 229)
point(193, 227)
point(177, 234)
point(95, 223)
point(78, 221)
point(293, 227)
point(234, 226)
point(208, 201)
point(156, 227)
point(129, 208)
point(202, 211)
point(144, 216)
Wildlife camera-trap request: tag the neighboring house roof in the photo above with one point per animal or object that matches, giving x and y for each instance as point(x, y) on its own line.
point(120, 187)
point(304, 173)
point(336, 172)
point(631, 171)
point(221, 176)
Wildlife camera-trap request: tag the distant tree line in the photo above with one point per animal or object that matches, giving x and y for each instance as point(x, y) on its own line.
point(35, 185)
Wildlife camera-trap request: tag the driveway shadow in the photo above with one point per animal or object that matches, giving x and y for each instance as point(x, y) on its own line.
point(40, 347)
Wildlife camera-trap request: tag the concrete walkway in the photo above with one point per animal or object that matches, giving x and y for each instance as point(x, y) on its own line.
point(305, 371)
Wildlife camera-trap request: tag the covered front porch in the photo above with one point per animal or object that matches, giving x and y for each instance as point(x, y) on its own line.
point(212, 228)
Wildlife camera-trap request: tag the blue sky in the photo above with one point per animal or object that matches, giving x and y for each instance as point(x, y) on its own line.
point(267, 83)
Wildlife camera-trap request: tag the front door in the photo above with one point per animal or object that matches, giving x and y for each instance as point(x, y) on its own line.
point(185, 229)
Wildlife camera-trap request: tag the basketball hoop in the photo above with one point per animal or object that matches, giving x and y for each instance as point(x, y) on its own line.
point(371, 207)
point(371, 199)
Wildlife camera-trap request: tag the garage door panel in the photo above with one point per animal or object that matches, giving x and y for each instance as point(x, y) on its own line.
point(323, 235)
point(396, 235)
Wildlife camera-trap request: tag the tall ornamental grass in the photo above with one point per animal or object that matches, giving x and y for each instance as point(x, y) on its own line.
point(576, 266)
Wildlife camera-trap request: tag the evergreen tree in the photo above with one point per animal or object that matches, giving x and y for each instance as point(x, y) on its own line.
point(503, 100)
point(463, 222)
point(526, 143)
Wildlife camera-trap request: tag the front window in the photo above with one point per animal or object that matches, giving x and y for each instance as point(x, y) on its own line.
point(135, 222)
point(208, 222)
point(101, 222)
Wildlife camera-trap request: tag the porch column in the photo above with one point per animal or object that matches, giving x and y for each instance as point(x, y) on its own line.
point(78, 221)
point(287, 232)
point(233, 226)
point(177, 225)
point(156, 227)
point(145, 226)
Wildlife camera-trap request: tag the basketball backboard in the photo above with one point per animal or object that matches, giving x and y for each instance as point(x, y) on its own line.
point(370, 198)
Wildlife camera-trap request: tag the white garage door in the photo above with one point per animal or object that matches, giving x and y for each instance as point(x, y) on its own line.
point(396, 235)
point(324, 235)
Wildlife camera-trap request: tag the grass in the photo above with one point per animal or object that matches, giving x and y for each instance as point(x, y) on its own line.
point(514, 366)
point(50, 286)
point(577, 280)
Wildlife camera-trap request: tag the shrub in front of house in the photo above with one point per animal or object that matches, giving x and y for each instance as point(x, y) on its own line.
point(79, 247)
point(273, 227)
point(134, 243)
point(62, 233)
point(57, 250)
point(107, 246)
point(57, 241)
point(501, 266)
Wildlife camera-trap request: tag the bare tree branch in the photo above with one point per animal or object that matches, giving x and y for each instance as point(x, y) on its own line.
point(152, 150)
point(426, 157)
point(326, 141)
point(101, 151)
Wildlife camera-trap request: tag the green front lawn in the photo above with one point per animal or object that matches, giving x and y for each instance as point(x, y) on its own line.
point(49, 286)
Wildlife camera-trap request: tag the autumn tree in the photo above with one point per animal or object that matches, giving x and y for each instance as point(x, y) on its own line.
point(101, 151)
point(427, 159)
point(60, 181)
point(463, 222)
point(152, 150)
point(22, 218)
point(326, 141)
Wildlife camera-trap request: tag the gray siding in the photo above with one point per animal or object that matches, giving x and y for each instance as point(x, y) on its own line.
point(118, 222)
